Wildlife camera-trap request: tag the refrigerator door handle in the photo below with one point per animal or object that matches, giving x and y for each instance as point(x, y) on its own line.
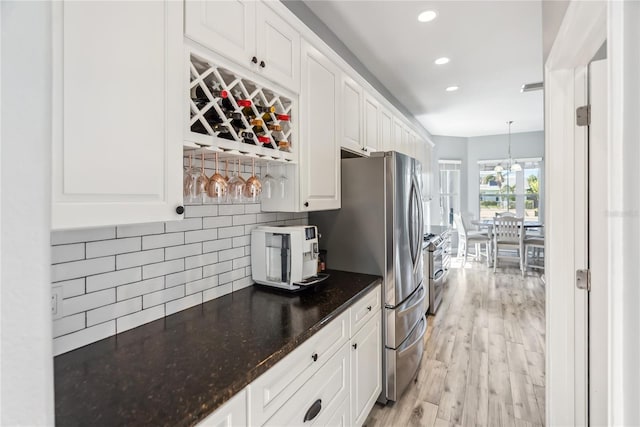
point(411, 211)
point(416, 228)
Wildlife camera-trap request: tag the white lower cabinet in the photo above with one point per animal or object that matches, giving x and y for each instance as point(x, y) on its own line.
point(232, 414)
point(332, 379)
point(366, 371)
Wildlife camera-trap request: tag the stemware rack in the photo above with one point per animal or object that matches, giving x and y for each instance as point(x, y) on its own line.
point(221, 120)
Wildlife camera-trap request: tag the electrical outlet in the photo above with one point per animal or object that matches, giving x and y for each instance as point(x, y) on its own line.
point(56, 302)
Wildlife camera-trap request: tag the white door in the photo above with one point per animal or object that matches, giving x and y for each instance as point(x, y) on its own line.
point(320, 153)
point(351, 95)
point(371, 114)
point(227, 27)
point(278, 48)
point(366, 369)
point(385, 130)
point(598, 251)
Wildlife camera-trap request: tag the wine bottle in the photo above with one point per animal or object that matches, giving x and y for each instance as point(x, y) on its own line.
point(265, 110)
point(246, 135)
point(243, 103)
point(263, 139)
point(283, 117)
point(274, 128)
point(256, 123)
point(211, 116)
point(284, 145)
point(198, 95)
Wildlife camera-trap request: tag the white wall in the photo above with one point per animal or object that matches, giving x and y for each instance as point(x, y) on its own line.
point(26, 361)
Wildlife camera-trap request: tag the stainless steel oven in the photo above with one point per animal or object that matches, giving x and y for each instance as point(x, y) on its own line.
point(439, 258)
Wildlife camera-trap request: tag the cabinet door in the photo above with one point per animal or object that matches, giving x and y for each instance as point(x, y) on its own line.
point(351, 95)
point(117, 112)
point(386, 135)
point(366, 369)
point(397, 136)
point(371, 123)
point(426, 171)
point(278, 48)
point(232, 414)
point(225, 26)
point(319, 124)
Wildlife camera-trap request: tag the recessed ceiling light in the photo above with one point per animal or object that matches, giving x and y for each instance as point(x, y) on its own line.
point(452, 88)
point(442, 61)
point(427, 15)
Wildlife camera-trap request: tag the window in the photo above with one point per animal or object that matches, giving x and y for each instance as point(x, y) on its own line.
point(449, 189)
point(517, 192)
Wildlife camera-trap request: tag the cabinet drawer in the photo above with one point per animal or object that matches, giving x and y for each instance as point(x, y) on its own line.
point(325, 392)
point(364, 309)
point(232, 414)
point(275, 387)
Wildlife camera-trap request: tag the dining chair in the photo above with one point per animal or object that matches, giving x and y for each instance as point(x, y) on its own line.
point(508, 235)
point(466, 238)
point(504, 214)
point(535, 242)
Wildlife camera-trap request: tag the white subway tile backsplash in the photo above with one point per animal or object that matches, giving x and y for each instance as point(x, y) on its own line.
point(200, 260)
point(162, 296)
point(217, 292)
point(162, 269)
point(231, 210)
point(72, 288)
point(139, 318)
point(62, 237)
point(227, 232)
point(68, 324)
point(183, 277)
point(216, 245)
point(112, 247)
point(217, 221)
point(113, 279)
point(183, 303)
point(83, 337)
point(75, 269)
point(201, 285)
point(213, 269)
point(228, 254)
point(201, 211)
point(182, 251)
point(139, 258)
point(88, 301)
point(66, 253)
point(244, 219)
point(131, 230)
point(186, 224)
point(139, 288)
point(241, 241)
point(117, 278)
point(162, 240)
point(230, 276)
point(241, 262)
point(113, 311)
point(200, 235)
point(242, 283)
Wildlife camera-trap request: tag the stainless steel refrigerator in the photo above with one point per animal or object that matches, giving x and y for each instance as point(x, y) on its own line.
point(379, 230)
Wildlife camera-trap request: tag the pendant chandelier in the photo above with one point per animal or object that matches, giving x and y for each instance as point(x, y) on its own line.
point(513, 165)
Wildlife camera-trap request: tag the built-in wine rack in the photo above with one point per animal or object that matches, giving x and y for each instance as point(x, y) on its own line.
point(233, 114)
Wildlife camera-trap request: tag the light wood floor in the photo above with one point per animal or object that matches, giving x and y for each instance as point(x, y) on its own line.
point(484, 355)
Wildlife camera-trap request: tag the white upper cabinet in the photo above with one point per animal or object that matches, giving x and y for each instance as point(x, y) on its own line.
point(249, 33)
point(386, 130)
point(396, 136)
point(352, 102)
point(372, 128)
point(319, 148)
point(117, 112)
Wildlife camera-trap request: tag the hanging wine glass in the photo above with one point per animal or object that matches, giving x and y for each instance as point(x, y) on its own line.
point(189, 181)
point(236, 186)
point(268, 185)
point(253, 187)
point(226, 170)
point(282, 182)
point(202, 183)
point(218, 187)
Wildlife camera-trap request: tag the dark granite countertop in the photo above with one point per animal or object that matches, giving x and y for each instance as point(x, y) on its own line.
point(177, 370)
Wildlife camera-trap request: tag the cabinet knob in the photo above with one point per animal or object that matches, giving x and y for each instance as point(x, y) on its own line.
point(369, 307)
point(180, 210)
point(306, 204)
point(254, 60)
point(355, 346)
point(262, 64)
point(314, 356)
point(313, 410)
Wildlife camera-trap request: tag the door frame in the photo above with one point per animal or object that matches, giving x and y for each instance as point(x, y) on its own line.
point(585, 27)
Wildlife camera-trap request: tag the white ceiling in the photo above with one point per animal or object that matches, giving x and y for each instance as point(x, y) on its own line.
point(494, 47)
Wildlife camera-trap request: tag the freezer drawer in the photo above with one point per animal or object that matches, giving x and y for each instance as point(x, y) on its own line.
point(403, 362)
point(401, 320)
